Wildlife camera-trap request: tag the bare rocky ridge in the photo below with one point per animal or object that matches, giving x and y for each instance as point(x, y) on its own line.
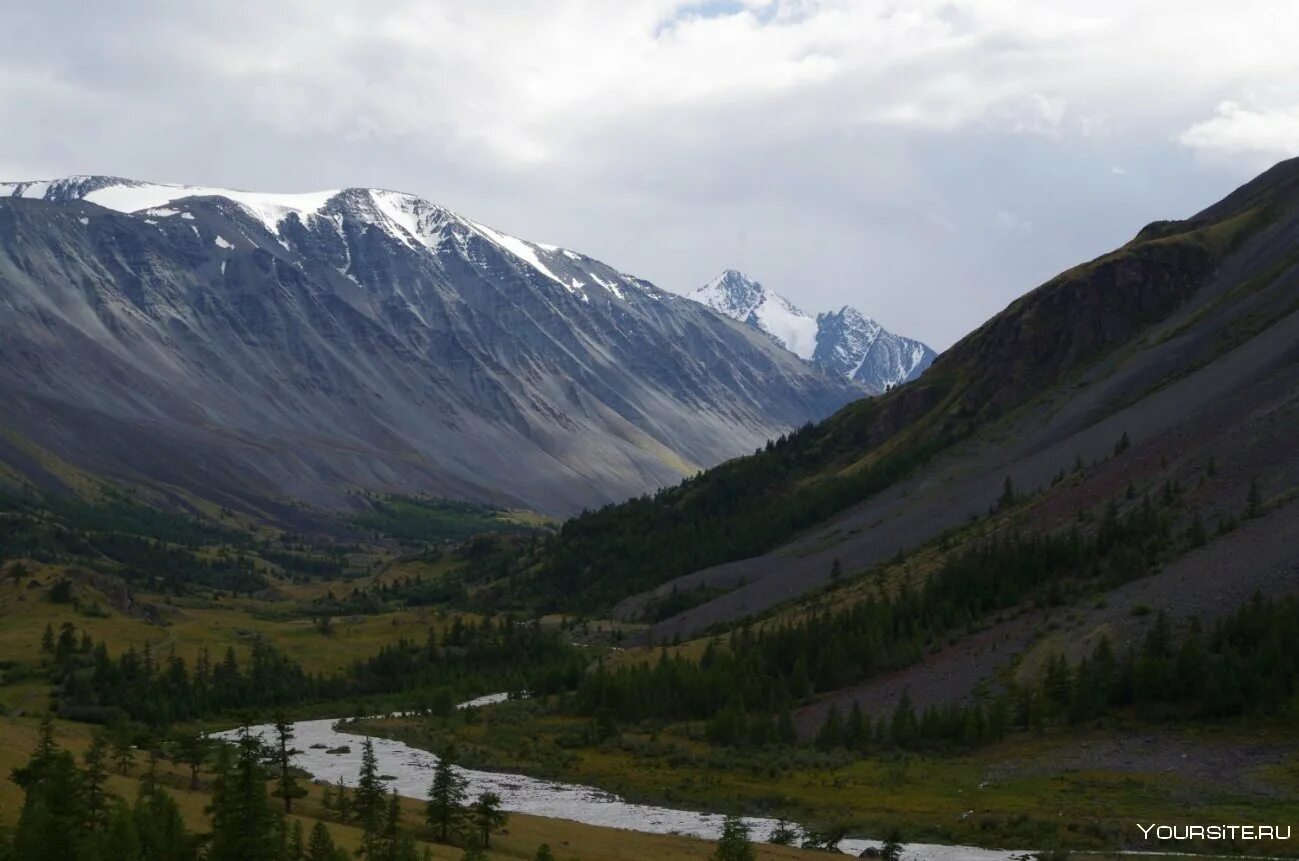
point(249, 346)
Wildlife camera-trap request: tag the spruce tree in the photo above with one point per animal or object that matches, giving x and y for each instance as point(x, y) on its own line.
point(488, 817)
point(892, 848)
point(342, 802)
point(1254, 502)
point(95, 775)
point(286, 787)
point(245, 827)
point(321, 845)
point(831, 734)
point(160, 826)
point(49, 822)
point(123, 753)
point(297, 850)
point(782, 834)
point(369, 796)
point(446, 798)
point(192, 749)
point(734, 844)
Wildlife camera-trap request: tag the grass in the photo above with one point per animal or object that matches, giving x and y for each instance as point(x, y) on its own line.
point(195, 623)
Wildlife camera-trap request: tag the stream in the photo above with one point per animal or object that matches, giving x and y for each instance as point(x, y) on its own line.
point(410, 770)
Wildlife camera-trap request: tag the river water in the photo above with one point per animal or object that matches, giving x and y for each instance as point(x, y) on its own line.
point(411, 771)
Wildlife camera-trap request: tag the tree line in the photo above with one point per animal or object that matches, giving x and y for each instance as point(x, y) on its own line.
point(91, 685)
point(1247, 664)
point(745, 688)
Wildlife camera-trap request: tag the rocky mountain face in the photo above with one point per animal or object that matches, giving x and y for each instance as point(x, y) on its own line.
point(241, 346)
point(844, 342)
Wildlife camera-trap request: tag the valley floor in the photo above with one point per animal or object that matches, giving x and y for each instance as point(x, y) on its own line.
point(1082, 790)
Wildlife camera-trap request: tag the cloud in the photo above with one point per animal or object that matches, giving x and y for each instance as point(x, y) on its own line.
point(1235, 128)
point(846, 151)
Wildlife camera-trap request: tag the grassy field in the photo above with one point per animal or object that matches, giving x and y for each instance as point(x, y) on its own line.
point(1025, 792)
point(193, 623)
point(570, 841)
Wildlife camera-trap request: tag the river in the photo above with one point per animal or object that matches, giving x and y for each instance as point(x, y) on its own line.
point(411, 770)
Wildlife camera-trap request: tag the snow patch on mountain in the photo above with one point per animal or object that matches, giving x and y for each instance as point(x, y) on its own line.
point(411, 220)
point(844, 342)
point(736, 295)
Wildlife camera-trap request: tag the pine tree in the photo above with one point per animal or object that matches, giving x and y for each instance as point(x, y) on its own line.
point(321, 845)
point(327, 799)
point(1007, 498)
point(488, 816)
point(95, 775)
point(192, 749)
point(286, 788)
point(782, 834)
point(245, 827)
point(892, 848)
point(160, 826)
point(123, 753)
point(368, 798)
point(734, 844)
point(446, 798)
point(830, 735)
point(544, 853)
point(785, 732)
point(297, 844)
point(342, 802)
point(49, 822)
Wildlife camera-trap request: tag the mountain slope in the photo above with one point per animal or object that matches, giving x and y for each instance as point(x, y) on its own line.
point(1147, 341)
point(269, 346)
point(844, 342)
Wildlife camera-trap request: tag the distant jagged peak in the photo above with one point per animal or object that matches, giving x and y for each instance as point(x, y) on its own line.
point(740, 297)
point(844, 342)
point(733, 293)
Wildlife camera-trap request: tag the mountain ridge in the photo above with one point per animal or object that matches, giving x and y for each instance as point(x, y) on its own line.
point(308, 344)
point(844, 342)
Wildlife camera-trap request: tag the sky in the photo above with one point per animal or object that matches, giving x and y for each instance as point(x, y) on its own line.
point(925, 161)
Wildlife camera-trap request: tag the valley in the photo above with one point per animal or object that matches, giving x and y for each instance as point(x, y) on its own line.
point(1041, 593)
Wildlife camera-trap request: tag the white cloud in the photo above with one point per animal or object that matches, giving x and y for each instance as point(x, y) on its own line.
point(1235, 128)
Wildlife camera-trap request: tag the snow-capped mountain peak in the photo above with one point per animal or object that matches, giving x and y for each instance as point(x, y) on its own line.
point(737, 296)
point(311, 344)
point(411, 220)
point(844, 342)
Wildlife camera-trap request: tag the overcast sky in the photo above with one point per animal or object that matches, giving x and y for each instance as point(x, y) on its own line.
point(924, 161)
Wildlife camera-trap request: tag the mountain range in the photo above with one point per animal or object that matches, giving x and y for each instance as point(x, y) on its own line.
point(243, 346)
point(844, 342)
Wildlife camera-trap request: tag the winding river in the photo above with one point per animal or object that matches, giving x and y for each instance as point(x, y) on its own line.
point(411, 771)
